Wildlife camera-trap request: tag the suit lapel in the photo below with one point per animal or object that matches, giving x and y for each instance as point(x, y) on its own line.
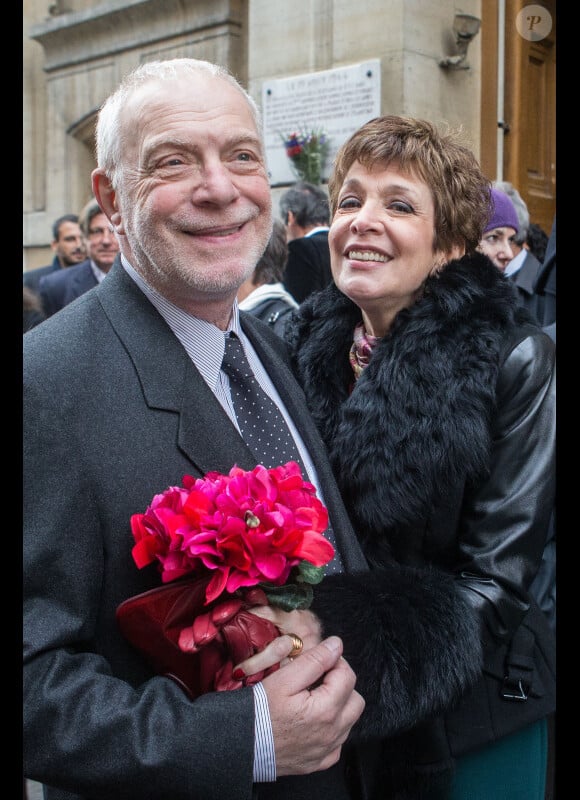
point(206, 434)
point(169, 380)
point(84, 279)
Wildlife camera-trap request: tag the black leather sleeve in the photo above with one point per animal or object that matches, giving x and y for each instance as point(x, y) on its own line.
point(505, 520)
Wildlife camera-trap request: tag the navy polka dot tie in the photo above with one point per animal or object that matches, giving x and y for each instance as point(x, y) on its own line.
point(261, 423)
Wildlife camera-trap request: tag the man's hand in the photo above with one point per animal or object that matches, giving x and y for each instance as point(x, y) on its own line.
point(310, 725)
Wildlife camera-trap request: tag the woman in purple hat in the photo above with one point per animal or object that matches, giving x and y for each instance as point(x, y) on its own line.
point(498, 233)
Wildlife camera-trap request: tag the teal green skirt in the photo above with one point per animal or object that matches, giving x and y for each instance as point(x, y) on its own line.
point(513, 768)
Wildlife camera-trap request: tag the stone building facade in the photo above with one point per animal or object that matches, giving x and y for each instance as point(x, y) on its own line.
point(76, 51)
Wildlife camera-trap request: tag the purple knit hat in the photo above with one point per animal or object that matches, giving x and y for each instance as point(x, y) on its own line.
point(503, 212)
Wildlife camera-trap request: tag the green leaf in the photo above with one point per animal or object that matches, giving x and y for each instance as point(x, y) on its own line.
point(289, 597)
point(308, 573)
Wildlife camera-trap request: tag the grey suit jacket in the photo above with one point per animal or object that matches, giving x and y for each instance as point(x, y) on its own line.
point(114, 412)
point(58, 289)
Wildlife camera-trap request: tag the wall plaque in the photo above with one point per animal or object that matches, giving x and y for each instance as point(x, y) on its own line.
point(337, 101)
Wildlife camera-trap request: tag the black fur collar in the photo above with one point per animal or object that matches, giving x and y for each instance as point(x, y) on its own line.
point(419, 417)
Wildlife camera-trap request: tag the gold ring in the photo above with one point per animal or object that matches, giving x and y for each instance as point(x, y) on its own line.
point(297, 645)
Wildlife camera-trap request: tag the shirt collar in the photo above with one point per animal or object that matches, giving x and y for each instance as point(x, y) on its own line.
point(203, 341)
point(319, 229)
point(97, 271)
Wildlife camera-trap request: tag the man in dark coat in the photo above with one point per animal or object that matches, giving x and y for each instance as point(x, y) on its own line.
point(68, 245)
point(61, 288)
point(545, 285)
point(306, 215)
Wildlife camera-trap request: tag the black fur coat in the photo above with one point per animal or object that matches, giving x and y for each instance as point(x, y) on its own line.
point(419, 419)
point(413, 447)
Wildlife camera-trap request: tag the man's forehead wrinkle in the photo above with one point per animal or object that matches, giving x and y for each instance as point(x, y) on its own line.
point(152, 96)
point(166, 143)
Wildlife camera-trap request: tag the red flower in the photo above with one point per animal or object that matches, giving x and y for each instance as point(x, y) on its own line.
point(247, 528)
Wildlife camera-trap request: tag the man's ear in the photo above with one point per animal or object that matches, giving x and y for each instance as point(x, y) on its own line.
point(106, 197)
point(293, 229)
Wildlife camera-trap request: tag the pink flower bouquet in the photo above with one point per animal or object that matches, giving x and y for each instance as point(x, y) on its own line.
point(223, 544)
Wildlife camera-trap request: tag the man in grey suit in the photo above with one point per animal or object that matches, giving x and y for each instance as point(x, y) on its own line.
point(124, 394)
point(134, 415)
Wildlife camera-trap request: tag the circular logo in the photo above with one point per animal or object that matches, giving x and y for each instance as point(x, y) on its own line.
point(534, 23)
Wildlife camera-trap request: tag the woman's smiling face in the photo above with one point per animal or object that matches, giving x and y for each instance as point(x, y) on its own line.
point(381, 241)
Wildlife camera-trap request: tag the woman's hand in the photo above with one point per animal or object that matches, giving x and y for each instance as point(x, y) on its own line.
point(303, 624)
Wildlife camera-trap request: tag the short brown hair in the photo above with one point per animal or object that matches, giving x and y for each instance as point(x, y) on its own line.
point(460, 190)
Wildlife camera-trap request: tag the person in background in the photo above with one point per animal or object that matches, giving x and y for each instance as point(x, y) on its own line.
point(537, 241)
point(32, 313)
point(545, 286)
point(305, 213)
point(435, 396)
point(499, 231)
point(131, 379)
point(523, 269)
point(68, 246)
point(544, 586)
point(524, 266)
point(59, 289)
point(263, 294)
